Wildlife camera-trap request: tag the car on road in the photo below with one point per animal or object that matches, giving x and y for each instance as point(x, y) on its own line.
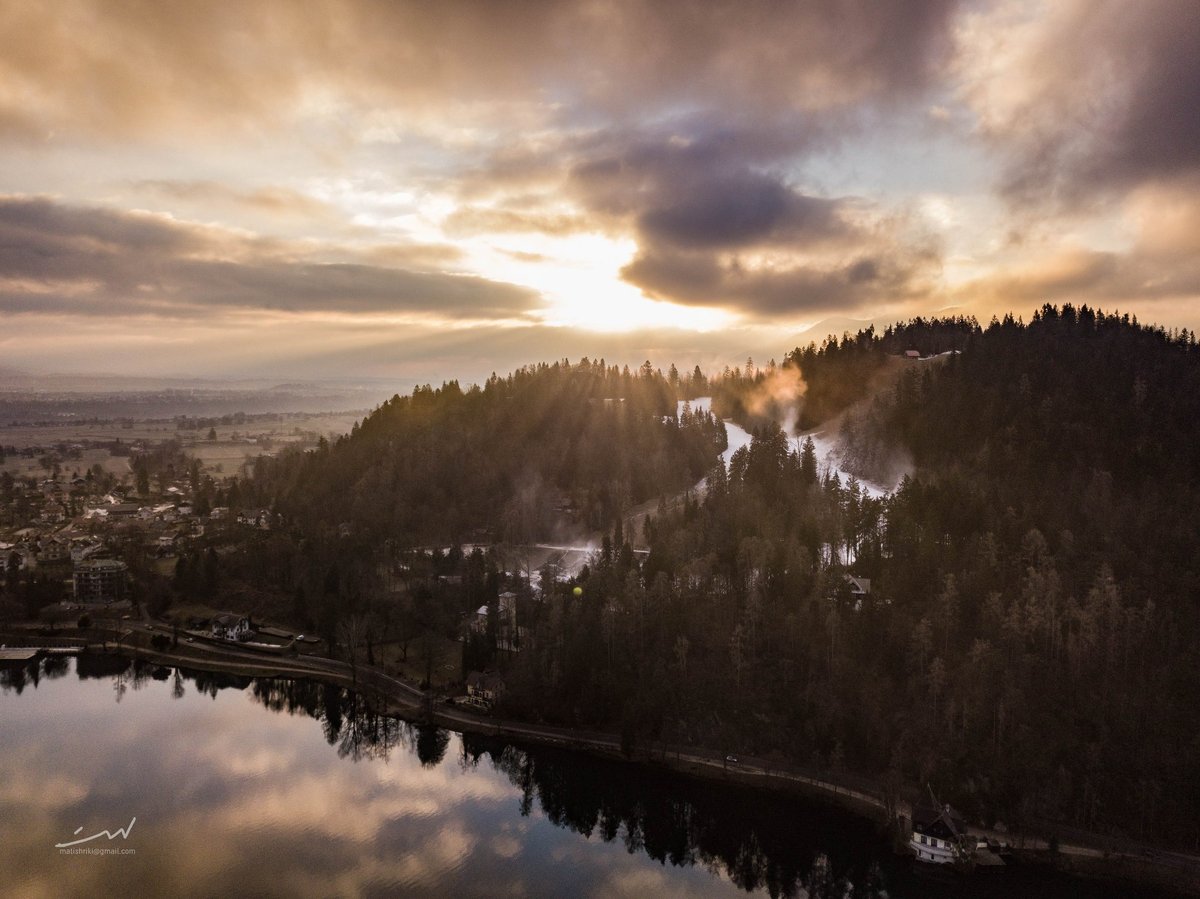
point(190, 639)
point(731, 759)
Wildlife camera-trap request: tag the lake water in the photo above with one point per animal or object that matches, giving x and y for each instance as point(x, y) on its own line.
point(290, 788)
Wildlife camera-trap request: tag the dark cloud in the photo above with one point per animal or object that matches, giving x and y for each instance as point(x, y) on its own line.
point(618, 171)
point(719, 223)
point(788, 290)
point(39, 233)
point(740, 209)
point(60, 259)
point(682, 191)
point(1109, 102)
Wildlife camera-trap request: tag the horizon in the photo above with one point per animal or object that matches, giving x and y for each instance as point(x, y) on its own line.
point(347, 192)
point(11, 379)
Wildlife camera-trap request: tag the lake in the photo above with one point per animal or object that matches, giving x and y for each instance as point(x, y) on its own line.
point(216, 785)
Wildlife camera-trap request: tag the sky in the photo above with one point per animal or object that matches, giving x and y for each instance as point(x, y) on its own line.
point(419, 191)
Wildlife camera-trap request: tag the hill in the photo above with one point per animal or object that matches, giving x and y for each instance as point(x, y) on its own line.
point(1016, 626)
point(513, 460)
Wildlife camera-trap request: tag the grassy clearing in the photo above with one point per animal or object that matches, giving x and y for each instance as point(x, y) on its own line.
point(447, 661)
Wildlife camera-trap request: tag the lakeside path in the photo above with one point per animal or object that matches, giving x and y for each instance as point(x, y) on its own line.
point(397, 697)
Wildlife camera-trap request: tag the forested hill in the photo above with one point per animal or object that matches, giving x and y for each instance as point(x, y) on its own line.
point(496, 461)
point(1083, 425)
point(1023, 626)
point(1018, 625)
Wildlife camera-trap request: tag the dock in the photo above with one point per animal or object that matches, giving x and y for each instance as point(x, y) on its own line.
point(19, 654)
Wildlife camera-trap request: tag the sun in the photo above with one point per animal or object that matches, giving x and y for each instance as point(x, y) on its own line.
point(579, 278)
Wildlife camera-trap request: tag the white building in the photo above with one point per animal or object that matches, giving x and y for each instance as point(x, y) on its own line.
point(229, 626)
point(939, 836)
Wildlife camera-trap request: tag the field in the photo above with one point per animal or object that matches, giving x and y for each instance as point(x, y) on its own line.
point(222, 457)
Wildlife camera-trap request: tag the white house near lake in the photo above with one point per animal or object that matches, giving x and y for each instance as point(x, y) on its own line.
point(229, 626)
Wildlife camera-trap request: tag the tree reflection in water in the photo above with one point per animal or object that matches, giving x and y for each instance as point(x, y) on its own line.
point(759, 841)
point(785, 846)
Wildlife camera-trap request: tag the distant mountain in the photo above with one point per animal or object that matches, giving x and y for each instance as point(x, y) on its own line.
point(36, 397)
point(836, 326)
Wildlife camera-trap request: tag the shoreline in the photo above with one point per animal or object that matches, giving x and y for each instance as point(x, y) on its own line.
point(396, 698)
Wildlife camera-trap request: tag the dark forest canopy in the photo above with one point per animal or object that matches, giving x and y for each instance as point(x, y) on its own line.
point(1028, 644)
point(816, 382)
point(448, 465)
point(1028, 640)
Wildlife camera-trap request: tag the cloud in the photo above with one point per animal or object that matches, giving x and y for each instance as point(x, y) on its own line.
point(1159, 269)
point(1092, 276)
point(280, 202)
point(88, 66)
point(1085, 98)
point(681, 125)
point(786, 290)
point(719, 223)
point(769, 160)
point(79, 260)
point(743, 209)
point(470, 220)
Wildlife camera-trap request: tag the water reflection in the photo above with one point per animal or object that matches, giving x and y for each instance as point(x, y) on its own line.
point(764, 845)
point(230, 800)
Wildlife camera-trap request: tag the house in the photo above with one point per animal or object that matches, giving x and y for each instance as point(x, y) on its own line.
point(53, 513)
point(850, 591)
point(912, 354)
point(479, 620)
point(81, 549)
point(255, 517)
point(485, 686)
point(230, 626)
point(859, 586)
point(53, 550)
point(939, 836)
point(507, 632)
